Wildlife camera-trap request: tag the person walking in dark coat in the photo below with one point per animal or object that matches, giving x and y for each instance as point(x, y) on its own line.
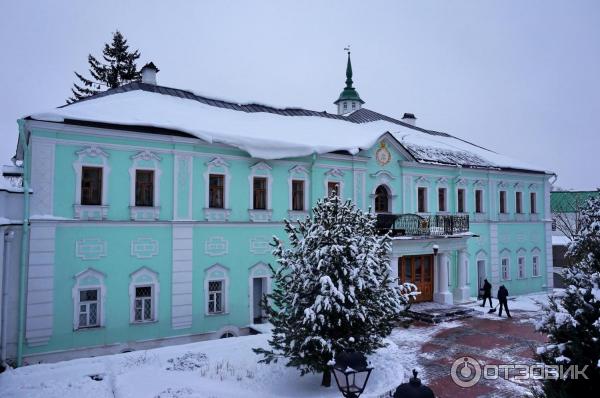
point(503, 299)
point(487, 292)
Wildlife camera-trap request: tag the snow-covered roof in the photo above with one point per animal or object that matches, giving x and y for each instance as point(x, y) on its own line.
point(268, 132)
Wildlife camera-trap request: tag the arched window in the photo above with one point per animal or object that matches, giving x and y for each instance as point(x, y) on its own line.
point(382, 200)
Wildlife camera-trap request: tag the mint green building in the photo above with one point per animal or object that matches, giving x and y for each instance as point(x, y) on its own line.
point(151, 210)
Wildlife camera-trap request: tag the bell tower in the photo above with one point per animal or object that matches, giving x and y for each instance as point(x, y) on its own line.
point(349, 100)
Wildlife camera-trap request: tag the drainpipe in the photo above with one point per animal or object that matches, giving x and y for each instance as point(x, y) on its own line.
point(312, 179)
point(24, 242)
point(4, 278)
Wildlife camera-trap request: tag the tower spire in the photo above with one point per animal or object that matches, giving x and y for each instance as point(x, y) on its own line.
point(349, 100)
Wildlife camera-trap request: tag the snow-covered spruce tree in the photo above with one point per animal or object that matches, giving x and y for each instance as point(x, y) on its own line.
point(332, 289)
point(572, 320)
point(118, 68)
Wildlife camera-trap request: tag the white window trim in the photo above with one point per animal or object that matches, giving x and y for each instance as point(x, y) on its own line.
point(144, 271)
point(258, 215)
point(298, 173)
point(337, 176)
point(536, 253)
point(258, 270)
point(91, 152)
point(77, 287)
point(426, 199)
point(143, 212)
point(464, 189)
point(385, 178)
point(225, 279)
point(519, 276)
point(507, 258)
point(437, 197)
point(213, 214)
point(479, 185)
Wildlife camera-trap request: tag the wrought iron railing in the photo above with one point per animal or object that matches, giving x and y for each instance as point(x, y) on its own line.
point(418, 225)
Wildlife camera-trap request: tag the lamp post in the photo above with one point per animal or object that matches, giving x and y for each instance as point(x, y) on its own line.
point(351, 371)
point(436, 248)
point(413, 389)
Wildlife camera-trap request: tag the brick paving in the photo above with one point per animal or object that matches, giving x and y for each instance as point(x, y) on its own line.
point(489, 341)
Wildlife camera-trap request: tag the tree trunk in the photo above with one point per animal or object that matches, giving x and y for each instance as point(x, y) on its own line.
point(326, 382)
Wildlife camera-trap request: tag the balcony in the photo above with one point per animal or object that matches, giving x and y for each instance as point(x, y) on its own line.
point(422, 225)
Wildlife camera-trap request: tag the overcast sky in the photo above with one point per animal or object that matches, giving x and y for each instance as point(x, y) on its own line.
point(518, 77)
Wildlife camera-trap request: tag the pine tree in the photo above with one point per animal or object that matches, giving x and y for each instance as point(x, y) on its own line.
point(117, 68)
point(332, 290)
point(572, 320)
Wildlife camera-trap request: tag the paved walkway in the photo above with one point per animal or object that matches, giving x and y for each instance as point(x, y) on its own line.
point(490, 340)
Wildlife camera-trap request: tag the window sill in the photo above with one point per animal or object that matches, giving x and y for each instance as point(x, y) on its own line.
point(503, 216)
point(216, 314)
point(521, 217)
point(534, 217)
point(144, 213)
point(216, 214)
point(90, 212)
point(88, 328)
point(260, 215)
point(294, 215)
point(142, 323)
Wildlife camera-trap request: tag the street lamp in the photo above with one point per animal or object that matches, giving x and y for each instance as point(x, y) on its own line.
point(413, 389)
point(351, 371)
point(435, 249)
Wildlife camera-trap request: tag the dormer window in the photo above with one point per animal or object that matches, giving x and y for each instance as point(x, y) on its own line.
point(353, 105)
point(345, 105)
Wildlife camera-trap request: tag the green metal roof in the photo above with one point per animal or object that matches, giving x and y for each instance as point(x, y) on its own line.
point(569, 201)
point(349, 92)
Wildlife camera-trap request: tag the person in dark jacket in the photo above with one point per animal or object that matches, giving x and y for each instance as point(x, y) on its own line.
point(503, 299)
point(487, 292)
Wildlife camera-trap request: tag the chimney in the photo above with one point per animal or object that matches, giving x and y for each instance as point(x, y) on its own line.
point(409, 118)
point(149, 72)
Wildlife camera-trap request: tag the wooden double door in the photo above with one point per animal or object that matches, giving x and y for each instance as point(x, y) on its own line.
point(419, 271)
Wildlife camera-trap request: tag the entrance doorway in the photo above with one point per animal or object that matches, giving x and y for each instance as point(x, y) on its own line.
point(259, 289)
point(480, 276)
point(419, 271)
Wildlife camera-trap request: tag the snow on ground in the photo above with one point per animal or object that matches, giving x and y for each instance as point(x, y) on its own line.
point(225, 368)
point(410, 340)
point(526, 303)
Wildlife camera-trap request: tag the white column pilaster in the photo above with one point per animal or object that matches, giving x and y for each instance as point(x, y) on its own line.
point(443, 295)
point(461, 293)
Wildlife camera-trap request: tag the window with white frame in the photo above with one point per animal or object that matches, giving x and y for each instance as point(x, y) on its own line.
point(422, 200)
point(216, 284)
point(521, 265)
point(333, 188)
point(89, 308)
point(535, 265)
point(478, 201)
point(503, 208)
point(442, 199)
point(215, 297)
point(460, 200)
point(532, 203)
point(298, 195)
point(519, 202)
point(143, 306)
point(505, 268)
point(88, 299)
point(144, 293)
point(91, 170)
point(298, 189)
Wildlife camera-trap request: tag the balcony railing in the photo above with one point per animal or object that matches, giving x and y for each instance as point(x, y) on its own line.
point(418, 225)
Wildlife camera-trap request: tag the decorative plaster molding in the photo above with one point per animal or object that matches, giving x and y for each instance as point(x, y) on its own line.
point(217, 162)
point(442, 181)
point(147, 156)
point(260, 215)
point(260, 245)
point(502, 184)
point(91, 248)
point(421, 180)
point(216, 246)
point(461, 181)
point(383, 175)
point(335, 172)
point(144, 248)
point(479, 183)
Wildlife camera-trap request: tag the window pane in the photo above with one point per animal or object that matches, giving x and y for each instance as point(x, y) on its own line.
point(260, 193)
point(214, 286)
point(532, 203)
point(88, 295)
point(442, 199)
point(144, 187)
point(478, 201)
point(502, 201)
point(333, 188)
point(216, 191)
point(218, 302)
point(93, 314)
point(519, 202)
point(82, 320)
point(144, 291)
point(138, 313)
point(381, 200)
point(298, 195)
point(147, 309)
point(422, 200)
point(461, 200)
point(91, 185)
